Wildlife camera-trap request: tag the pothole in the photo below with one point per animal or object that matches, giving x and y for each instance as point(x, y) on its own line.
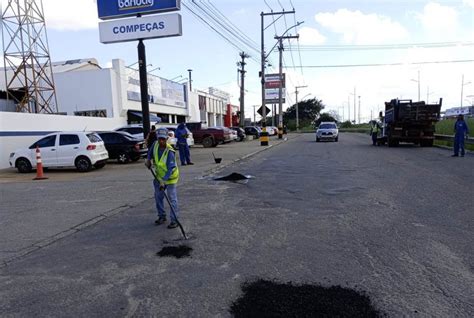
point(175, 251)
point(263, 298)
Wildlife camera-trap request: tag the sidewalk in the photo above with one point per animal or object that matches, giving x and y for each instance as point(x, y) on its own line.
point(38, 213)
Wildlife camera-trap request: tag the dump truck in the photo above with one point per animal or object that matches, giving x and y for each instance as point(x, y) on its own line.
point(408, 121)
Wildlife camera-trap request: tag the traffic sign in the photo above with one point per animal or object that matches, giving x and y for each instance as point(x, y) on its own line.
point(260, 111)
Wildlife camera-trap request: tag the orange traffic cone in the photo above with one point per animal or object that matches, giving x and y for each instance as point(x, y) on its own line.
point(39, 166)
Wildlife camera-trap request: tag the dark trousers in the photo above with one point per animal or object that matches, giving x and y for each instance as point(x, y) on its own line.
point(374, 138)
point(459, 144)
point(184, 154)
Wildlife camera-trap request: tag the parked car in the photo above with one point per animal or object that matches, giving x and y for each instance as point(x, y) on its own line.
point(240, 133)
point(253, 131)
point(136, 130)
point(172, 140)
point(82, 150)
point(327, 130)
point(123, 146)
point(209, 137)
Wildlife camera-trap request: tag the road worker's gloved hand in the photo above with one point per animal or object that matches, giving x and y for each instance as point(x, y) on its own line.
point(148, 163)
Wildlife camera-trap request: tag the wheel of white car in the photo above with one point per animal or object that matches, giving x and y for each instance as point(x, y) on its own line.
point(23, 165)
point(83, 164)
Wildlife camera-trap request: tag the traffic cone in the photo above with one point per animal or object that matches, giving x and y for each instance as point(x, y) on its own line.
point(39, 166)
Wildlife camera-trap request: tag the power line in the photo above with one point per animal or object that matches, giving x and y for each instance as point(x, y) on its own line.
point(383, 64)
point(218, 22)
point(383, 47)
point(226, 38)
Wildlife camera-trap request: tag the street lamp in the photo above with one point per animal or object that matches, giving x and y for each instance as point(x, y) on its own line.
point(175, 78)
point(418, 81)
point(297, 113)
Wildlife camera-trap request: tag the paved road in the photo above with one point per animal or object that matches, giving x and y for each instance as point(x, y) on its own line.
point(394, 222)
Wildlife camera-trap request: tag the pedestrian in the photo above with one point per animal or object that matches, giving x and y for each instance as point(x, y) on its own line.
point(374, 131)
point(461, 131)
point(151, 138)
point(183, 147)
point(162, 156)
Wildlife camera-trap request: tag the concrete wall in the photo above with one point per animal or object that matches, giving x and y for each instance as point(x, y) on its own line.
point(18, 130)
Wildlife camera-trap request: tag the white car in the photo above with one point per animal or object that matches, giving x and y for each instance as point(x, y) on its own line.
point(327, 130)
point(82, 150)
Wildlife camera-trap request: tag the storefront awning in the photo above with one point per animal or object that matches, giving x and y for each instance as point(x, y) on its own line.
point(153, 118)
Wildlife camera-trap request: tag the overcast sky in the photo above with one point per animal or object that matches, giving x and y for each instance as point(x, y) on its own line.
point(73, 33)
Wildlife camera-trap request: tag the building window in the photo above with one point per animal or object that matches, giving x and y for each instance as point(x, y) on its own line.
point(92, 113)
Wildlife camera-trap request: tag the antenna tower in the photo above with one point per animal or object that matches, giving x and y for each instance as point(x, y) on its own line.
point(28, 73)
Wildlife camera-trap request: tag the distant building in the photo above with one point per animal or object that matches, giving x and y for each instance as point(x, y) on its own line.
point(455, 111)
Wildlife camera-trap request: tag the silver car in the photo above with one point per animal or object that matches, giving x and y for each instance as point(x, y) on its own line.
point(327, 130)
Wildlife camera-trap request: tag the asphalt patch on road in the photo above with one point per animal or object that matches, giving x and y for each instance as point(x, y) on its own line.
point(175, 251)
point(263, 298)
point(234, 176)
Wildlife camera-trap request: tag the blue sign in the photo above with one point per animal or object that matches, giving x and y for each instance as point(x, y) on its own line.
point(112, 9)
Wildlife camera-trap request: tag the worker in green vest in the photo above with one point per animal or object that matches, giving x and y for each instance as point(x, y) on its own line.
point(163, 158)
point(374, 131)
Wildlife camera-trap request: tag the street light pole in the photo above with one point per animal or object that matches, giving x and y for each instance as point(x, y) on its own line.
point(190, 80)
point(418, 81)
point(359, 109)
point(297, 110)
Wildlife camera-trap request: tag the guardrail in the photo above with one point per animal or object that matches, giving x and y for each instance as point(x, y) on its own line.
point(469, 141)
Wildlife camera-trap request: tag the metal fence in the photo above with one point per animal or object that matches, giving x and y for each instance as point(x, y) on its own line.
point(469, 141)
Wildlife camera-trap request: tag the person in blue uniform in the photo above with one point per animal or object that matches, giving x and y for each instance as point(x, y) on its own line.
point(461, 132)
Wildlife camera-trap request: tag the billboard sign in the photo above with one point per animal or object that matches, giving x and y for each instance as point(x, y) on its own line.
point(151, 27)
point(160, 90)
point(272, 88)
point(112, 9)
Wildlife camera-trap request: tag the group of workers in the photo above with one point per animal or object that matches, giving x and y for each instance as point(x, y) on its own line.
point(461, 132)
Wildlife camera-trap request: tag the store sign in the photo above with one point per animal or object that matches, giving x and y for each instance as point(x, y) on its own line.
point(112, 9)
point(160, 90)
point(152, 27)
point(272, 88)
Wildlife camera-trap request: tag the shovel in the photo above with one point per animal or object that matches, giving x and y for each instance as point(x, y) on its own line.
point(217, 160)
point(169, 202)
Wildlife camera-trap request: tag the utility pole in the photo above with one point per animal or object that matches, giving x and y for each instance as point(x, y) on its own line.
point(274, 114)
point(359, 109)
point(264, 139)
point(254, 115)
point(190, 80)
point(349, 108)
point(354, 105)
point(280, 90)
point(297, 111)
point(242, 71)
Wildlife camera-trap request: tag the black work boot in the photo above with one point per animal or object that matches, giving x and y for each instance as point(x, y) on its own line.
point(160, 220)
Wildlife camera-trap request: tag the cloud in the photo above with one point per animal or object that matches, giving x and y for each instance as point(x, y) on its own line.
point(64, 16)
point(68, 16)
point(436, 17)
point(469, 3)
point(310, 36)
point(359, 28)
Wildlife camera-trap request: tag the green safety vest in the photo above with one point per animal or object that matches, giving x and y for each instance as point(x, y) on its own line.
point(160, 165)
point(375, 128)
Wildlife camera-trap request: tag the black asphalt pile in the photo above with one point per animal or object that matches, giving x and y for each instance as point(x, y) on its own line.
point(175, 251)
point(234, 176)
point(264, 298)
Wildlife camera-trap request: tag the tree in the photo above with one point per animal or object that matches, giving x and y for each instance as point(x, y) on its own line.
point(324, 117)
point(308, 112)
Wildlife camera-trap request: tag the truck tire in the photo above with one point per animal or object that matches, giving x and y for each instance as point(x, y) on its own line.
point(208, 142)
point(426, 143)
point(392, 142)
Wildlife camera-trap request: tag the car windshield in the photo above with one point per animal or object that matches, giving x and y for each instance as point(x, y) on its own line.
point(327, 126)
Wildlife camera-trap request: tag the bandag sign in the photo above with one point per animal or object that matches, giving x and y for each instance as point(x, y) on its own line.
point(150, 27)
point(112, 9)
